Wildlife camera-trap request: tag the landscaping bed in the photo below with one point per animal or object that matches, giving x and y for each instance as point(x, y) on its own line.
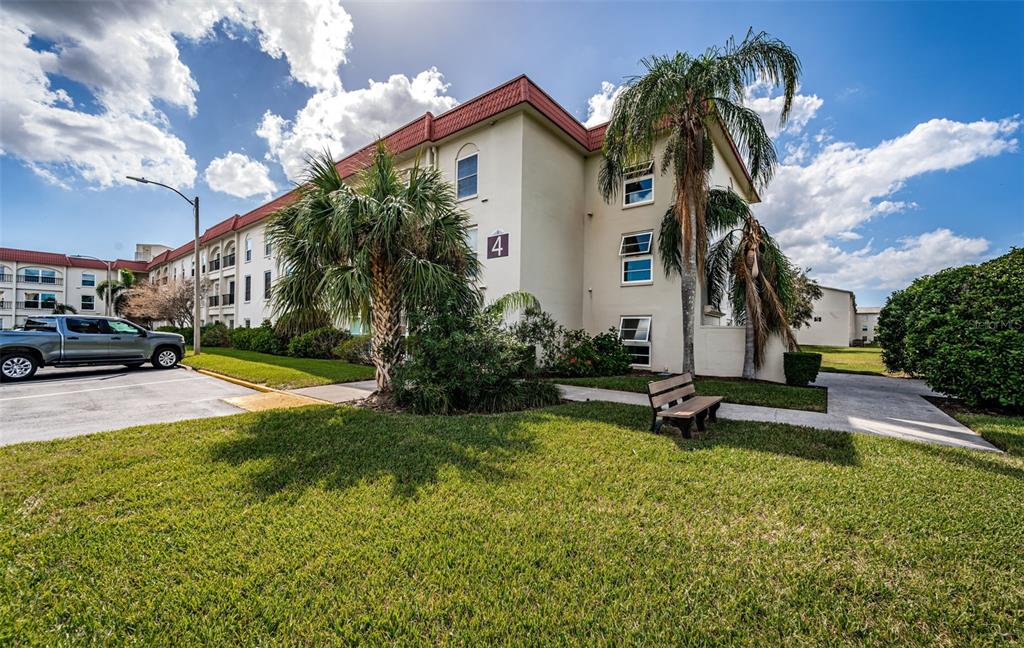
point(279, 372)
point(570, 524)
point(741, 392)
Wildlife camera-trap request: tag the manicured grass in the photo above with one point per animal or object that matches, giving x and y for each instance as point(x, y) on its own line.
point(572, 524)
point(741, 392)
point(859, 360)
point(1001, 430)
point(277, 371)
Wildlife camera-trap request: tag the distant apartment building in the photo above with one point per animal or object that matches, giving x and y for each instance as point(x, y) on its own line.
point(867, 323)
point(834, 320)
point(33, 283)
point(526, 171)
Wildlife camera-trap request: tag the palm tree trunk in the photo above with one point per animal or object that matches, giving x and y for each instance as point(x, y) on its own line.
point(688, 290)
point(748, 351)
point(386, 322)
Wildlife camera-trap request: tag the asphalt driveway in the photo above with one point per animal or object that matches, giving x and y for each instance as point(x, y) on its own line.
point(68, 402)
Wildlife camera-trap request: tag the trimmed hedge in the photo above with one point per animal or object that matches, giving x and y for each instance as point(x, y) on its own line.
point(262, 339)
point(355, 349)
point(801, 368)
point(318, 343)
point(962, 331)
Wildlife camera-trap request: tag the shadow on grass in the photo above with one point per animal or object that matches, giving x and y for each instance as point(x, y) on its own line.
point(975, 460)
point(339, 447)
point(775, 438)
point(333, 370)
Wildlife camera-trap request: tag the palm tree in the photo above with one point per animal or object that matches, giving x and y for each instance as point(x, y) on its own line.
point(64, 309)
point(385, 246)
point(115, 291)
point(682, 98)
point(747, 263)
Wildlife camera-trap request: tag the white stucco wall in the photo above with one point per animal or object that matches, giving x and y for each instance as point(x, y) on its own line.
point(719, 352)
point(836, 310)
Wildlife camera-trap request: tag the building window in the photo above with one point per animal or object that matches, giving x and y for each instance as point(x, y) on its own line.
point(638, 184)
point(88, 279)
point(248, 288)
point(266, 285)
point(268, 248)
point(466, 176)
point(88, 302)
point(248, 249)
point(635, 333)
point(637, 261)
point(817, 319)
point(472, 239)
point(247, 323)
point(863, 328)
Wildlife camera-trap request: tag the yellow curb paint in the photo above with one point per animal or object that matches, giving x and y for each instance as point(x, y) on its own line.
point(310, 400)
point(271, 401)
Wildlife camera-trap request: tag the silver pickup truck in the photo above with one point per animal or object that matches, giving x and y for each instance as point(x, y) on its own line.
point(76, 340)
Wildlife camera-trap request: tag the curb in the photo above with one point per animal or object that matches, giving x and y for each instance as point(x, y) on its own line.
point(250, 385)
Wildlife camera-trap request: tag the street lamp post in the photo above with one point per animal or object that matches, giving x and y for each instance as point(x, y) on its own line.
point(106, 296)
point(195, 278)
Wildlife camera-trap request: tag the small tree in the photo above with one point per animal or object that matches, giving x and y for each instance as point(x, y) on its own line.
point(116, 290)
point(63, 309)
point(174, 302)
point(806, 291)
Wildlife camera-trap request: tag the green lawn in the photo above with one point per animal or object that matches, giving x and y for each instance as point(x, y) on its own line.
point(567, 525)
point(1001, 430)
point(741, 392)
point(860, 360)
point(281, 372)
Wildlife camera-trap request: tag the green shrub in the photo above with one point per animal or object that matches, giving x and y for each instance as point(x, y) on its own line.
point(572, 353)
point(318, 343)
point(464, 361)
point(355, 349)
point(215, 335)
point(185, 332)
point(262, 339)
point(801, 368)
point(962, 331)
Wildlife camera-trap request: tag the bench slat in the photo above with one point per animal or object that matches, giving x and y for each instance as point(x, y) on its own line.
point(691, 407)
point(669, 383)
point(674, 395)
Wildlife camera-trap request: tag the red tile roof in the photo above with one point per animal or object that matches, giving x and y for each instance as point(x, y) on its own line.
point(428, 128)
point(56, 259)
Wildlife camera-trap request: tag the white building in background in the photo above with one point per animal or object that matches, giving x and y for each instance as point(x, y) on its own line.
point(526, 171)
point(32, 283)
point(834, 321)
point(867, 323)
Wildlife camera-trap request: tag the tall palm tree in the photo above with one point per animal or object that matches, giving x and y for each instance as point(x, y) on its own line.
point(747, 263)
point(115, 291)
point(680, 99)
point(387, 245)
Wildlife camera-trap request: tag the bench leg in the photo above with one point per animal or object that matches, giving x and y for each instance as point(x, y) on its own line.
point(655, 424)
point(700, 422)
point(686, 428)
point(713, 414)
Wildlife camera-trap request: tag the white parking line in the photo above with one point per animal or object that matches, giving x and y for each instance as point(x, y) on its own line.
point(81, 391)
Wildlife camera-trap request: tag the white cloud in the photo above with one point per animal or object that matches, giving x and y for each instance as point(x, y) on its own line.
point(758, 97)
point(599, 106)
point(342, 120)
point(842, 187)
point(895, 266)
point(240, 176)
point(125, 53)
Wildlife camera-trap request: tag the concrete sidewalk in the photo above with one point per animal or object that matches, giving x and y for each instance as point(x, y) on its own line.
point(891, 407)
point(339, 392)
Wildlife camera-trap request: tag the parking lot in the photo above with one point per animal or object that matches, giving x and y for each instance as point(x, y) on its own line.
point(68, 402)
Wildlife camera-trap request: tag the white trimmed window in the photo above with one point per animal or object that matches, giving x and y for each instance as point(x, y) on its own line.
point(473, 239)
point(268, 248)
point(635, 333)
point(466, 176)
point(248, 249)
point(638, 185)
point(637, 261)
point(88, 279)
point(88, 302)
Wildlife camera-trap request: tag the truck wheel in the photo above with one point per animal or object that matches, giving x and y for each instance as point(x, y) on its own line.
point(17, 366)
point(165, 358)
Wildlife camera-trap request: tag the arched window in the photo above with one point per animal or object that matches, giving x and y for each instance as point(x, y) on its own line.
point(248, 248)
point(467, 166)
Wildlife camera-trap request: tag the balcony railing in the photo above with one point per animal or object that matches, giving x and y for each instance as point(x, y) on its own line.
point(37, 305)
point(4, 305)
point(229, 260)
point(213, 300)
point(214, 265)
point(228, 299)
point(49, 281)
point(6, 277)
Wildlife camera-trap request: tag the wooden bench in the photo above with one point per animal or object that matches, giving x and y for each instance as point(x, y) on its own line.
point(676, 398)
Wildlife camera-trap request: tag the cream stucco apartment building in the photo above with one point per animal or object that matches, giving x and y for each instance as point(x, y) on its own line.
point(526, 171)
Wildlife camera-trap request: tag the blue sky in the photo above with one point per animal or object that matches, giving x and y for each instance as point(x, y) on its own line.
point(907, 160)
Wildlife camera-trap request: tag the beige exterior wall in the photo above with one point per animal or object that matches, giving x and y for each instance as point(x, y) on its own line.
point(71, 288)
point(833, 321)
point(867, 325)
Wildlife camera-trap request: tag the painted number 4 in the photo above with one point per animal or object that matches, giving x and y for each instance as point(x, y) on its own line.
point(497, 245)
